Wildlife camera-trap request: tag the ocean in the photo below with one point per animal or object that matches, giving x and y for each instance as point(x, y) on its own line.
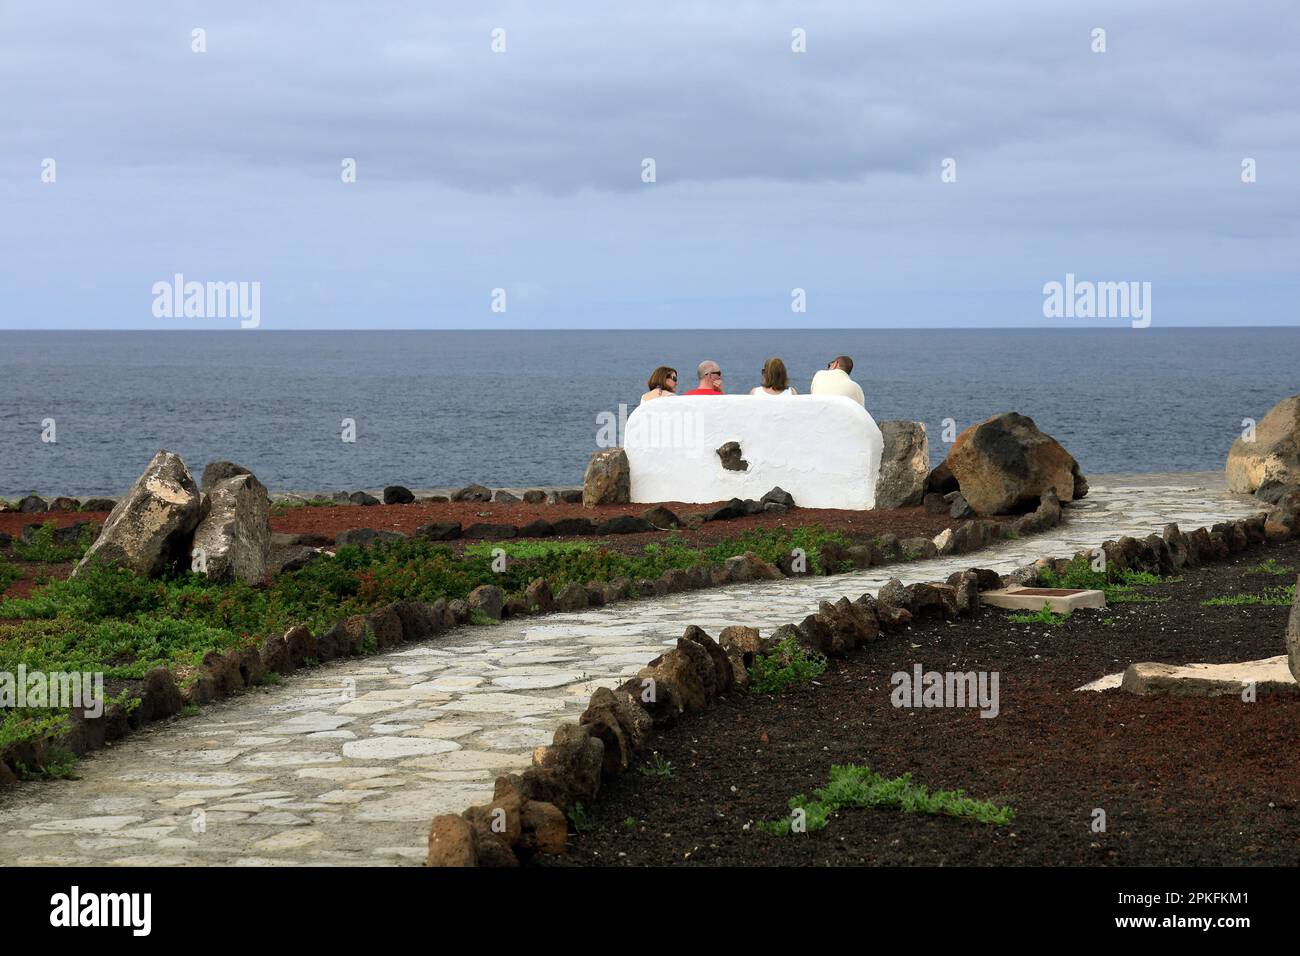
point(519, 408)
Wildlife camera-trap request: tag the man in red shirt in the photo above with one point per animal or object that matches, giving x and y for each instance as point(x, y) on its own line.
point(710, 379)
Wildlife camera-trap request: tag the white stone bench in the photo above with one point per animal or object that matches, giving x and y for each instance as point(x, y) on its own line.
point(823, 449)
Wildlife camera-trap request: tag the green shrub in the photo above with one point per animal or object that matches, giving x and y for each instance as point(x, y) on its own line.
point(1118, 584)
point(854, 786)
point(8, 575)
point(60, 764)
point(579, 819)
point(30, 723)
point(1043, 616)
point(788, 664)
point(116, 648)
point(656, 766)
point(1271, 597)
point(43, 548)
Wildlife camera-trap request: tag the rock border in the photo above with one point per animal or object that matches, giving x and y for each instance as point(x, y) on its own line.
point(527, 814)
point(164, 694)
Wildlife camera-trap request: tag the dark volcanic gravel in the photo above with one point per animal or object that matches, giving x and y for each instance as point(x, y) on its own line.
point(1207, 781)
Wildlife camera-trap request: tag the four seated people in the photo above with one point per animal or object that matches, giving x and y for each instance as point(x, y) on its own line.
point(832, 380)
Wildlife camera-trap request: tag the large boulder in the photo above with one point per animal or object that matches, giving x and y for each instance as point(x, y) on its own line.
point(398, 495)
point(1005, 464)
point(608, 480)
point(904, 464)
point(472, 493)
point(1272, 455)
point(235, 536)
point(149, 529)
point(216, 471)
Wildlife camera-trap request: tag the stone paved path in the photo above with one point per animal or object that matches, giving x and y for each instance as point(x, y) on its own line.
point(347, 763)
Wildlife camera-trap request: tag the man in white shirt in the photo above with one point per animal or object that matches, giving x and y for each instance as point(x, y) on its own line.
point(834, 380)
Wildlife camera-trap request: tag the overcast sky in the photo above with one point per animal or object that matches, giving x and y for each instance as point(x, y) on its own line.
point(522, 170)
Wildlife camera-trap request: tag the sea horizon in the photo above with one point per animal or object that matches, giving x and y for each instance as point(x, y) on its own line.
point(520, 408)
point(1108, 325)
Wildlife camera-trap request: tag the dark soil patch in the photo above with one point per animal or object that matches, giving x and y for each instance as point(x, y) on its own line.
point(1211, 781)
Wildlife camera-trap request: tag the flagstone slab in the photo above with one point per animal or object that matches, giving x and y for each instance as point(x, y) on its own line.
point(289, 758)
point(423, 803)
point(291, 840)
point(391, 748)
point(311, 723)
point(445, 730)
point(96, 824)
point(347, 796)
point(535, 681)
point(171, 778)
point(377, 782)
point(341, 773)
point(514, 738)
point(471, 760)
point(363, 708)
point(277, 819)
point(519, 704)
point(211, 758)
point(1268, 676)
point(105, 843)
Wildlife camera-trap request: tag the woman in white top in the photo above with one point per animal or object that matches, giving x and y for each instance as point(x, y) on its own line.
point(775, 379)
point(663, 382)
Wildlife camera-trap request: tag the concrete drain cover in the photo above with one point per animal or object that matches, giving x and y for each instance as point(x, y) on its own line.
point(1059, 600)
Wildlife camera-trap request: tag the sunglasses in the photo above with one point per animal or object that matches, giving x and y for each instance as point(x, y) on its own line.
point(672, 378)
point(708, 374)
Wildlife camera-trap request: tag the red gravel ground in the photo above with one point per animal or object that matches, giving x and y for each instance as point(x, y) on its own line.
point(12, 522)
point(32, 574)
point(1183, 781)
point(859, 525)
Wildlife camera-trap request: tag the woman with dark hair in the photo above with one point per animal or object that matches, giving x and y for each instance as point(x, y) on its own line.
point(663, 381)
point(775, 379)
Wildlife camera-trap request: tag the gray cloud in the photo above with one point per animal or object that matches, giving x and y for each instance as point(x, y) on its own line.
point(774, 168)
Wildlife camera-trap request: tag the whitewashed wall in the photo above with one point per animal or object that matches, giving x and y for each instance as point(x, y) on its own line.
point(823, 449)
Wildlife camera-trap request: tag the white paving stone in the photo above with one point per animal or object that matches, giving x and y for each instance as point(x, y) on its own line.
point(391, 748)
